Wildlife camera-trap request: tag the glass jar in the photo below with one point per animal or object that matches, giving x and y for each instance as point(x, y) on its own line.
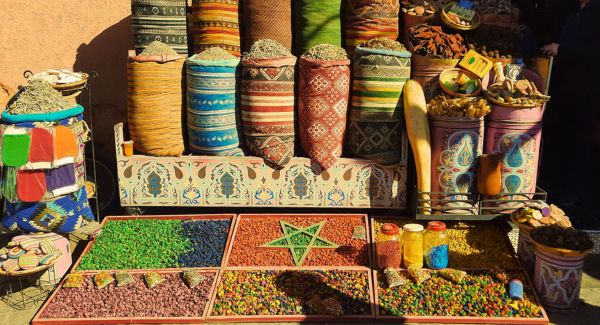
point(388, 246)
point(412, 243)
point(436, 245)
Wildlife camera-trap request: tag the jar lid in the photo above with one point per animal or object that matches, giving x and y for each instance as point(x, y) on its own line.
point(412, 227)
point(436, 226)
point(390, 229)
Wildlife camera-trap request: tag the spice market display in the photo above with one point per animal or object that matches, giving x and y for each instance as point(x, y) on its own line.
point(235, 105)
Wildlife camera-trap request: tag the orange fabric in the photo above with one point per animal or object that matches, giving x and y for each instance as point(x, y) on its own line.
point(65, 144)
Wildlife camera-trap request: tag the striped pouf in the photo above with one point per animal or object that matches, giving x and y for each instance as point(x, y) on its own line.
point(367, 19)
point(159, 20)
point(211, 107)
point(268, 108)
point(376, 109)
point(216, 23)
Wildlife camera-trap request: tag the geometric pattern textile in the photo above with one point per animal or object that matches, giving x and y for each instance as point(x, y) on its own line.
point(322, 109)
point(366, 19)
point(216, 23)
point(159, 20)
point(268, 108)
point(376, 109)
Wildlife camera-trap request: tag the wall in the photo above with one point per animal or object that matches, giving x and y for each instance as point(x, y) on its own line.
point(82, 35)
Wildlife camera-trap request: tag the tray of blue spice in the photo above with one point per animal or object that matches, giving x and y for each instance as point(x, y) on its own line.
point(158, 242)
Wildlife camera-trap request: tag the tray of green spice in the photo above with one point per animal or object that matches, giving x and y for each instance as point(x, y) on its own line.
point(158, 242)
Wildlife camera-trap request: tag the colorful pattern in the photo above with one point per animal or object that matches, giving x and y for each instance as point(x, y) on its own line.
point(376, 109)
point(159, 20)
point(268, 108)
point(322, 109)
point(63, 215)
point(367, 19)
point(558, 279)
point(212, 114)
point(319, 23)
point(216, 23)
point(248, 181)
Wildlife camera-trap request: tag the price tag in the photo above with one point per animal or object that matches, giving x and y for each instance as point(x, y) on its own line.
point(476, 63)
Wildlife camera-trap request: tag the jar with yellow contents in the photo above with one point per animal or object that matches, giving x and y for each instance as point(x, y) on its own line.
point(412, 243)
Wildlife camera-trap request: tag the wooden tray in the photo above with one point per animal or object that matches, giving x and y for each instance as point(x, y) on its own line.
point(293, 318)
point(231, 217)
point(38, 320)
point(231, 242)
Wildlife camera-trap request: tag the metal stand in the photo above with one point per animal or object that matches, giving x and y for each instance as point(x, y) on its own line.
point(28, 291)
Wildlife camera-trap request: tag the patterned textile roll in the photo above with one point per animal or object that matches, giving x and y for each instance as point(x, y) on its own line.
point(376, 110)
point(266, 19)
point(216, 23)
point(62, 215)
point(367, 19)
point(322, 108)
point(268, 108)
point(212, 114)
point(159, 20)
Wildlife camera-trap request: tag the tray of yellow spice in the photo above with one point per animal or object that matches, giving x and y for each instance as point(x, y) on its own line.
point(472, 245)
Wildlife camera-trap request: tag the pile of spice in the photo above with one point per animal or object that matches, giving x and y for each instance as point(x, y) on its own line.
point(277, 292)
point(432, 41)
point(326, 52)
point(158, 48)
point(493, 7)
point(476, 294)
point(266, 49)
point(458, 107)
point(493, 41)
point(58, 76)
point(382, 43)
point(563, 238)
point(541, 215)
point(423, 7)
point(37, 97)
point(213, 54)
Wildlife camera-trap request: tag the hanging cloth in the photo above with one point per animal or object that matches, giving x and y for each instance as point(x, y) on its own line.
point(15, 147)
point(31, 185)
point(41, 152)
point(61, 180)
point(65, 146)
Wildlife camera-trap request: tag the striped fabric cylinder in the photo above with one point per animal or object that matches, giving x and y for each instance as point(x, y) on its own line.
point(268, 108)
point(376, 109)
point(211, 107)
point(216, 23)
point(367, 19)
point(159, 20)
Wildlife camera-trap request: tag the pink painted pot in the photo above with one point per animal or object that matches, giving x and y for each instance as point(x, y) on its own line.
point(515, 135)
point(557, 277)
point(456, 142)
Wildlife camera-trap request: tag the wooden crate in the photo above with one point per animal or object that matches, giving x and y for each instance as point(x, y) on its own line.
point(203, 181)
point(38, 320)
point(231, 217)
point(294, 318)
point(294, 215)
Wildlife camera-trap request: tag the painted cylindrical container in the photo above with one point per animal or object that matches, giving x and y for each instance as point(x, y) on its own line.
point(525, 249)
point(515, 134)
point(456, 142)
point(557, 277)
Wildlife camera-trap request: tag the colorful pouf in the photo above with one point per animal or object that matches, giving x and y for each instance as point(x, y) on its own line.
point(376, 112)
point(216, 23)
point(322, 108)
point(63, 215)
point(268, 108)
point(28, 261)
point(10, 265)
point(212, 114)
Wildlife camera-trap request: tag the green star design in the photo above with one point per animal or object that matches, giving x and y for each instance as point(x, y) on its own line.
point(300, 240)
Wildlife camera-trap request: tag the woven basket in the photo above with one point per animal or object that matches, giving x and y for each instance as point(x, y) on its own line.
point(73, 89)
point(155, 104)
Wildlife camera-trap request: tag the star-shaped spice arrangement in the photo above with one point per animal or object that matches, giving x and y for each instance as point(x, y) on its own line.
point(300, 240)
